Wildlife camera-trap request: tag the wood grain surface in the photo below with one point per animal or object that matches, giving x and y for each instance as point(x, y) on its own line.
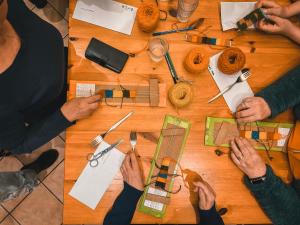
point(274, 56)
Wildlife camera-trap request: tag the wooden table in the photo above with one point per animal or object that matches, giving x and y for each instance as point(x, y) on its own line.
point(274, 55)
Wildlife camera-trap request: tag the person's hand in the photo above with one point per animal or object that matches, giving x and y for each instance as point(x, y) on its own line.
point(206, 194)
point(252, 109)
point(131, 172)
point(273, 8)
point(279, 26)
point(80, 108)
point(247, 159)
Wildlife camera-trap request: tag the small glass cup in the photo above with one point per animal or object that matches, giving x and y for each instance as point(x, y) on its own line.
point(185, 9)
point(157, 48)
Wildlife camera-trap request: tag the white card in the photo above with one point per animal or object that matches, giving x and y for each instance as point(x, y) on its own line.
point(94, 181)
point(234, 96)
point(106, 13)
point(85, 90)
point(232, 12)
point(154, 205)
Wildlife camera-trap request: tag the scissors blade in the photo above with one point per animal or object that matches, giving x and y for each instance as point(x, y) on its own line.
point(103, 152)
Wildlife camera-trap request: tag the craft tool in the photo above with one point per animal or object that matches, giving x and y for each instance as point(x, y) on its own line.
point(192, 26)
point(244, 76)
point(171, 67)
point(97, 140)
point(93, 158)
point(133, 140)
point(165, 163)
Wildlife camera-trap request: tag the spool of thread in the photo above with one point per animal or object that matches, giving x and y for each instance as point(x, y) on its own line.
point(196, 60)
point(148, 17)
point(231, 61)
point(181, 94)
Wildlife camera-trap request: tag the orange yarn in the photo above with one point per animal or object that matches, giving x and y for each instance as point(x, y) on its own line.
point(196, 60)
point(148, 17)
point(231, 61)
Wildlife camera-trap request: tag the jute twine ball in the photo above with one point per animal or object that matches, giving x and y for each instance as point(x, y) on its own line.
point(147, 17)
point(231, 61)
point(181, 94)
point(196, 60)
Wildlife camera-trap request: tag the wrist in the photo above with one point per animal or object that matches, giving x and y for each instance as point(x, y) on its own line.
point(259, 173)
point(67, 115)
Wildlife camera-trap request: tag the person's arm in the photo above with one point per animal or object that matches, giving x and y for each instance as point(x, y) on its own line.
point(293, 9)
point(210, 217)
point(283, 93)
point(279, 201)
point(124, 206)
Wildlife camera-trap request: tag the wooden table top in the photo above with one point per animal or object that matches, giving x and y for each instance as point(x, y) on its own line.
point(274, 56)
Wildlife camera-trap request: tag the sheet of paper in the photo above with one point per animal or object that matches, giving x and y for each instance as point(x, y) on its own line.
point(106, 13)
point(94, 181)
point(232, 12)
point(234, 96)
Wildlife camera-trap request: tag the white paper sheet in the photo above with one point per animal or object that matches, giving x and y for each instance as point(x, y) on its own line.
point(94, 181)
point(85, 90)
point(106, 13)
point(234, 96)
point(232, 12)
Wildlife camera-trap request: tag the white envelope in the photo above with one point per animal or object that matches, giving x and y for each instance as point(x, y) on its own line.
point(94, 181)
point(234, 96)
point(232, 12)
point(106, 13)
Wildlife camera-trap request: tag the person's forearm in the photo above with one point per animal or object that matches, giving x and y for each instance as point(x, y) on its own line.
point(42, 132)
point(280, 202)
point(124, 207)
point(293, 9)
point(294, 34)
point(283, 93)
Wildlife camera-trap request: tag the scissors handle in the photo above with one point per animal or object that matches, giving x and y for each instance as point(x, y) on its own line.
point(94, 162)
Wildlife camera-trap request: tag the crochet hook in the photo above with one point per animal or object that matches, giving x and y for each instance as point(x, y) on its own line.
point(171, 67)
point(193, 26)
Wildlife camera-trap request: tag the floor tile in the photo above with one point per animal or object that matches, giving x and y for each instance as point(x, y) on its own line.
point(55, 143)
point(40, 208)
point(9, 221)
point(3, 213)
point(29, 4)
point(52, 16)
point(62, 6)
point(11, 164)
point(55, 181)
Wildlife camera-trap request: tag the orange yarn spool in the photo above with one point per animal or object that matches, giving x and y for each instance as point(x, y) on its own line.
point(196, 60)
point(231, 61)
point(148, 17)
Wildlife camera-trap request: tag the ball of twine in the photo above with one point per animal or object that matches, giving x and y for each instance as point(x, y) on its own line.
point(181, 94)
point(147, 17)
point(196, 60)
point(231, 61)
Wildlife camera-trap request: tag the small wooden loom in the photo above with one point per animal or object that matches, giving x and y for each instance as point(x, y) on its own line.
point(219, 132)
point(150, 93)
point(168, 152)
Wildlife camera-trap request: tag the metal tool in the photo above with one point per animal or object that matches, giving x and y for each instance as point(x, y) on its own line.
point(93, 158)
point(193, 26)
point(244, 76)
point(171, 67)
point(133, 140)
point(97, 140)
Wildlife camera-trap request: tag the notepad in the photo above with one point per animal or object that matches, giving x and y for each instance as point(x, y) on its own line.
point(234, 96)
point(232, 12)
point(94, 181)
point(106, 13)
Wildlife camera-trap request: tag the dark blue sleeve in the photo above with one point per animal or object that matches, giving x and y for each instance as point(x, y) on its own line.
point(124, 207)
point(210, 217)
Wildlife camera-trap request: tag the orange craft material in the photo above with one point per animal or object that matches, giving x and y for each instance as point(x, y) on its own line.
point(231, 61)
point(196, 60)
point(148, 17)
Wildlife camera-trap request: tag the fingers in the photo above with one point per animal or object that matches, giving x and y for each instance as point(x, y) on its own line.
point(247, 145)
point(124, 172)
point(236, 151)
point(235, 159)
point(127, 163)
point(247, 119)
point(93, 99)
point(134, 162)
point(245, 113)
point(266, 4)
point(242, 145)
point(202, 196)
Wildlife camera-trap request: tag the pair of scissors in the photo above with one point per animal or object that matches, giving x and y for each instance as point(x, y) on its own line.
point(93, 158)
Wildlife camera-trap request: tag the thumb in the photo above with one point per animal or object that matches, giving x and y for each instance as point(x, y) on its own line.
point(93, 99)
point(275, 19)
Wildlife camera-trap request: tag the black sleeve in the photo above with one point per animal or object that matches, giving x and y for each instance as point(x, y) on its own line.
point(124, 207)
point(40, 132)
point(283, 93)
point(210, 217)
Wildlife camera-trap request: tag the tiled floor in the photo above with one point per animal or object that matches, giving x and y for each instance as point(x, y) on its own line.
point(43, 206)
